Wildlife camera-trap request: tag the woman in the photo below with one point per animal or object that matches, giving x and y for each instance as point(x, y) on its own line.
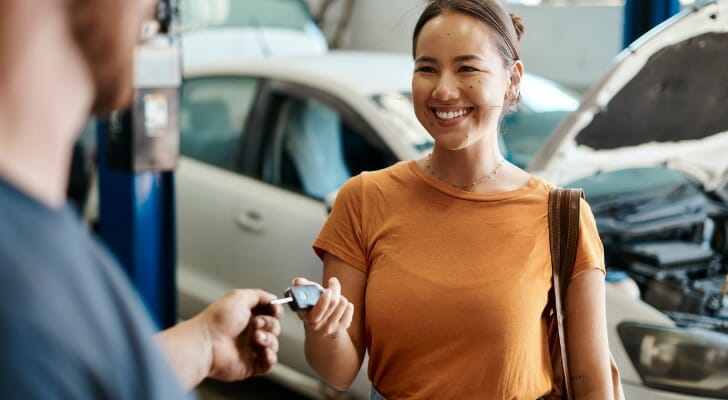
point(440, 267)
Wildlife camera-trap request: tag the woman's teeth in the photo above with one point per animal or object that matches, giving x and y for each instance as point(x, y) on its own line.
point(448, 115)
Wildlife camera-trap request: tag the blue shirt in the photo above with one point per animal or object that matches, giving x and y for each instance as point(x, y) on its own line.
point(71, 325)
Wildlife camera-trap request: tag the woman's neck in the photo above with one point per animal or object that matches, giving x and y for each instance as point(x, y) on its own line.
point(479, 167)
point(468, 164)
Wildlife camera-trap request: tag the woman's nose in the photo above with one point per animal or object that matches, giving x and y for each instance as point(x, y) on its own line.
point(446, 88)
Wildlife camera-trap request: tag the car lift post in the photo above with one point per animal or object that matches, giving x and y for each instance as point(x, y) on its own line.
point(137, 154)
point(642, 15)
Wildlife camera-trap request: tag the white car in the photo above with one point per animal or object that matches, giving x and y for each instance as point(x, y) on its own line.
point(266, 144)
point(221, 30)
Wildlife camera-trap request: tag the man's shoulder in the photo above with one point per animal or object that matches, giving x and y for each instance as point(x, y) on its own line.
point(77, 324)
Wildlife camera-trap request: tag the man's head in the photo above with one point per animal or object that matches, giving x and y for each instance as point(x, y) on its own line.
point(106, 33)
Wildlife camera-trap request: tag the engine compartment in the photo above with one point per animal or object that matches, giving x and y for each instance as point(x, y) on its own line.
point(673, 243)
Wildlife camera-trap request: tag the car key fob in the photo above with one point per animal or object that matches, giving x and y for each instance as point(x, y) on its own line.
point(300, 298)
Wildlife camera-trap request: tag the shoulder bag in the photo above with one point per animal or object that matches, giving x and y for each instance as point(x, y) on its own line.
point(563, 239)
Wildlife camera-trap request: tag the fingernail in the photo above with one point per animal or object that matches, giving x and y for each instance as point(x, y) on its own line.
point(261, 336)
point(259, 323)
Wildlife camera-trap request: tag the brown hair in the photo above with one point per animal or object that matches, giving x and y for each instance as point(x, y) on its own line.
point(508, 27)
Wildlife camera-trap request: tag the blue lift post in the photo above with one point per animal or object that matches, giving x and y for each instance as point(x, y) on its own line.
point(642, 15)
point(137, 222)
point(137, 154)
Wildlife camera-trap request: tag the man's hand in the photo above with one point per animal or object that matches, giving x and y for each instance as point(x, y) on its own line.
point(243, 330)
point(234, 338)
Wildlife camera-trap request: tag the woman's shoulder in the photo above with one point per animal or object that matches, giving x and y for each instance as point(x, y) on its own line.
point(395, 173)
point(367, 181)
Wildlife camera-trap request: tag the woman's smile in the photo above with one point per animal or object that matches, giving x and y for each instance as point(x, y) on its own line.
point(448, 116)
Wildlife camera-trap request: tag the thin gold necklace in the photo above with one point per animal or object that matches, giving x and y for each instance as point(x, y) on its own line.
point(466, 186)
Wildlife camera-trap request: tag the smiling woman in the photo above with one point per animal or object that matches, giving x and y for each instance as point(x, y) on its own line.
point(484, 271)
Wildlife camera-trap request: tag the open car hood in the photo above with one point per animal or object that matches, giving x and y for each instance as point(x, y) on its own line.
point(664, 101)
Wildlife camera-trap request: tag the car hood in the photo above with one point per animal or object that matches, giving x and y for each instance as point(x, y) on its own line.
point(663, 102)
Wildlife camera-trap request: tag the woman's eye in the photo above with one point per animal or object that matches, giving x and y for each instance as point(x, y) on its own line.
point(426, 69)
point(467, 69)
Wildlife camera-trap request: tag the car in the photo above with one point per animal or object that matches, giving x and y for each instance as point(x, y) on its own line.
point(265, 146)
point(231, 29)
point(648, 144)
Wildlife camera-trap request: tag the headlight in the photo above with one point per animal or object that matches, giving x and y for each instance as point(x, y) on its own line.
point(680, 360)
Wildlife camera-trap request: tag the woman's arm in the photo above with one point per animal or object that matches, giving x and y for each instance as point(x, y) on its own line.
point(335, 326)
point(586, 333)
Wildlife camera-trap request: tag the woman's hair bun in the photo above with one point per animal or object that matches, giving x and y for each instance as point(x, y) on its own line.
point(518, 25)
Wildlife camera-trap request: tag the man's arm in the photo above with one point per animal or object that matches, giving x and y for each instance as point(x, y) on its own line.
point(234, 338)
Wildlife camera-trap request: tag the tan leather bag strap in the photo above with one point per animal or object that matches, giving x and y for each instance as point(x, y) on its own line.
point(563, 239)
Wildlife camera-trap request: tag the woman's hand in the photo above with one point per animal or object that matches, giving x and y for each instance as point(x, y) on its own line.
point(335, 325)
point(332, 314)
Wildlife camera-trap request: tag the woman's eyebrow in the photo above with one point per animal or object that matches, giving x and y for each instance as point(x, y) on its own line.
point(462, 58)
point(425, 59)
point(468, 57)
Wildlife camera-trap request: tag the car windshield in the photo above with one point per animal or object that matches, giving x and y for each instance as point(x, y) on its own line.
point(399, 111)
point(287, 14)
point(636, 183)
point(543, 106)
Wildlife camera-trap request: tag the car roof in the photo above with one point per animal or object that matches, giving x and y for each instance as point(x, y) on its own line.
point(367, 73)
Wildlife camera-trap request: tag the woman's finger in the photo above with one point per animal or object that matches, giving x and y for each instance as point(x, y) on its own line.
point(320, 309)
point(304, 281)
point(335, 291)
point(333, 322)
point(348, 316)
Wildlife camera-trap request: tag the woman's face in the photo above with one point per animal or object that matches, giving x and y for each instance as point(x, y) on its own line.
point(460, 82)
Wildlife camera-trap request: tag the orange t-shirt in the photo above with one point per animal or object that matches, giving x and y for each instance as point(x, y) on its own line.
point(457, 282)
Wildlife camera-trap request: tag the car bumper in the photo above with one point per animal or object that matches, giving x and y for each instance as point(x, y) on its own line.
point(638, 391)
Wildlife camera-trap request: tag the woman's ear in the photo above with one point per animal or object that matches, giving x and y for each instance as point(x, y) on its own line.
point(516, 75)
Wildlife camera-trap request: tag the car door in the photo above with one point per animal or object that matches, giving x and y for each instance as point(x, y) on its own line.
point(311, 144)
point(215, 121)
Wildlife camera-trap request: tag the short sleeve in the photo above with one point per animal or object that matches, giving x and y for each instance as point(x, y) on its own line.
point(341, 235)
point(589, 251)
point(35, 366)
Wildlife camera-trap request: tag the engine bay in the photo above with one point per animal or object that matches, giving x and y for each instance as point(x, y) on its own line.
point(672, 242)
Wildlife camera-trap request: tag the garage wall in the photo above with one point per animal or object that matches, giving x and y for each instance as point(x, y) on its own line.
point(572, 45)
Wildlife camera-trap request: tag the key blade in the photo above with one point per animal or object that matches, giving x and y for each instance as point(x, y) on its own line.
point(283, 300)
